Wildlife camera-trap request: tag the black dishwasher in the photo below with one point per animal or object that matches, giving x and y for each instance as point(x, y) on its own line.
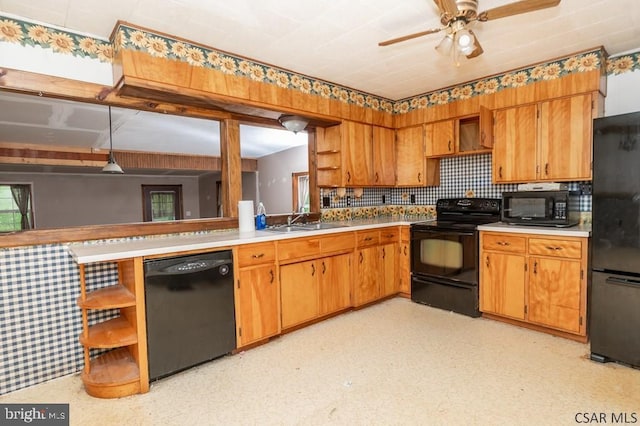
point(190, 311)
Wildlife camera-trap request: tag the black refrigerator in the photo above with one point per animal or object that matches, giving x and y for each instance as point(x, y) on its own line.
point(615, 265)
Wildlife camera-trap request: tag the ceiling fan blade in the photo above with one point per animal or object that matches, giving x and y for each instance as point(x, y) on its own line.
point(447, 6)
point(477, 49)
point(516, 8)
point(409, 37)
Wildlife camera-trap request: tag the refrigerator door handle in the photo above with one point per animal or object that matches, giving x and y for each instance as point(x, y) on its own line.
point(623, 281)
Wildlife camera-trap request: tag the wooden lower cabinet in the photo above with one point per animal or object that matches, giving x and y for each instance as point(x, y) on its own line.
point(314, 288)
point(257, 301)
point(335, 283)
point(554, 293)
point(257, 293)
point(537, 280)
point(377, 266)
point(299, 292)
point(503, 278)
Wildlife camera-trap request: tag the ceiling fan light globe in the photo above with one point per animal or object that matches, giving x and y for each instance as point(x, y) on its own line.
point(445, 45)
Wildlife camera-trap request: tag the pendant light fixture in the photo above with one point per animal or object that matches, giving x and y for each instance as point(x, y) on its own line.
point(111, 166)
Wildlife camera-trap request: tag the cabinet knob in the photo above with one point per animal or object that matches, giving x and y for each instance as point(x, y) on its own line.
point(271, 275)
point(377, 177)
point(324, 268)
point(313, 269)
point(258, 256)
point(546, 169)
point(449, 145)
point(361, 257)
point(535, 267)
point(348, 176)
point(500, 172)
point(486, 262)
point(503, 243)
point(556, 248)
point(420, 177)
point(384, 253)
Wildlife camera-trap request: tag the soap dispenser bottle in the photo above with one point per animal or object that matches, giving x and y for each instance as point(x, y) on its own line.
point(261, 217)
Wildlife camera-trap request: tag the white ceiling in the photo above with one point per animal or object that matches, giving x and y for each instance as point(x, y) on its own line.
point(337, 40)
point(44, 121)
point(334, 40)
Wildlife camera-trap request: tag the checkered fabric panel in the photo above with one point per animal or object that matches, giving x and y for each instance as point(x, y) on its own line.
point(464, 176)
point(40, 321)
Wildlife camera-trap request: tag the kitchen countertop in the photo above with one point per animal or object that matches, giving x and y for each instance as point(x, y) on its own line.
point(84, 253)
point(572, 231)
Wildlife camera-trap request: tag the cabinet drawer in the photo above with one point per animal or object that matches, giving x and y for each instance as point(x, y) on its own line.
point(556, 248)
point(389, 235)
point(367, 238)
point(298, 248)
point(501, 242)
point(338, 242)
point(255, 254)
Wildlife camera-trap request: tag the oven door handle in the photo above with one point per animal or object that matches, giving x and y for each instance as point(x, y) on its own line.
point(441, 282)
point(421, 235)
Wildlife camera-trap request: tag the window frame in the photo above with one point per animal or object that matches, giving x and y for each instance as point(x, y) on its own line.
point(147, 190)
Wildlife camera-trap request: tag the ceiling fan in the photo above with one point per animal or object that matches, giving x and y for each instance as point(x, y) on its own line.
point(456, 17)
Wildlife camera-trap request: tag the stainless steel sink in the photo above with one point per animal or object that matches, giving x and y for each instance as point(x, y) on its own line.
point(320, 225)
point(285, 228)
point(304, 227)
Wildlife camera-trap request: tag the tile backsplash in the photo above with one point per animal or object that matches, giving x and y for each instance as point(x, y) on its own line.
point(464, 176)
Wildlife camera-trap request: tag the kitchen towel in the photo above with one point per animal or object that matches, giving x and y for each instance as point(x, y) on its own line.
point(245, 216)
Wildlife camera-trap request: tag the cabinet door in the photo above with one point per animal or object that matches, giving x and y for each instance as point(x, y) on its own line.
point(257, 301)
point(390, 283)
point(502, 284)
point(404, 268)
point(440, 138)
point(335, 283)
point(514, 149)
point(410, 158)
point(356, 150)
point(565, 138)
point(298, 292)
point(384, 164)
point(367, 281)
point(554, 293)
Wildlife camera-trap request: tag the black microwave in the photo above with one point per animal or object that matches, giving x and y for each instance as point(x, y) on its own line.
point(544, 208)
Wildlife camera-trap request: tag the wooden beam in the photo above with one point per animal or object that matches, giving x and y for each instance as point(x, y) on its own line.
point(231, 167)
point(314, 190)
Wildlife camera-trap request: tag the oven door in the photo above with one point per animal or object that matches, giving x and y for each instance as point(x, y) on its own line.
point(445, 254)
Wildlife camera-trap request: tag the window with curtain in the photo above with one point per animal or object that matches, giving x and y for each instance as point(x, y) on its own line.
point(16, 213)
point(300, 191)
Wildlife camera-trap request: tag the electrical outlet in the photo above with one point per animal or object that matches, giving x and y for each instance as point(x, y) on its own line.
point(384, 199)
point(326, 202)
point(412, 198)
point(348, 200)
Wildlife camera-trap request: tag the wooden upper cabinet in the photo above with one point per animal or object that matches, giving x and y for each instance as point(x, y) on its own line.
point(565, 138)
point(356, 153)
point(383, 151)
point(440, 138)
point(548, 141)
point(515, 146)
point(412, 168)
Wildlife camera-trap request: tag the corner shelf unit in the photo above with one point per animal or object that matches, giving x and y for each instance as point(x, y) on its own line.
point(122, 370)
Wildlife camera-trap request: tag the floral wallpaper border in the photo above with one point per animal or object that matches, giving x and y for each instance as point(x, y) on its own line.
point(64, 42)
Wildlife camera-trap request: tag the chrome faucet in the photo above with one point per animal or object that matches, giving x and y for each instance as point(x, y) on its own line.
point(293, 217)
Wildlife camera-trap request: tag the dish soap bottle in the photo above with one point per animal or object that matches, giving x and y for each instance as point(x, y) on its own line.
point(261, 217)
